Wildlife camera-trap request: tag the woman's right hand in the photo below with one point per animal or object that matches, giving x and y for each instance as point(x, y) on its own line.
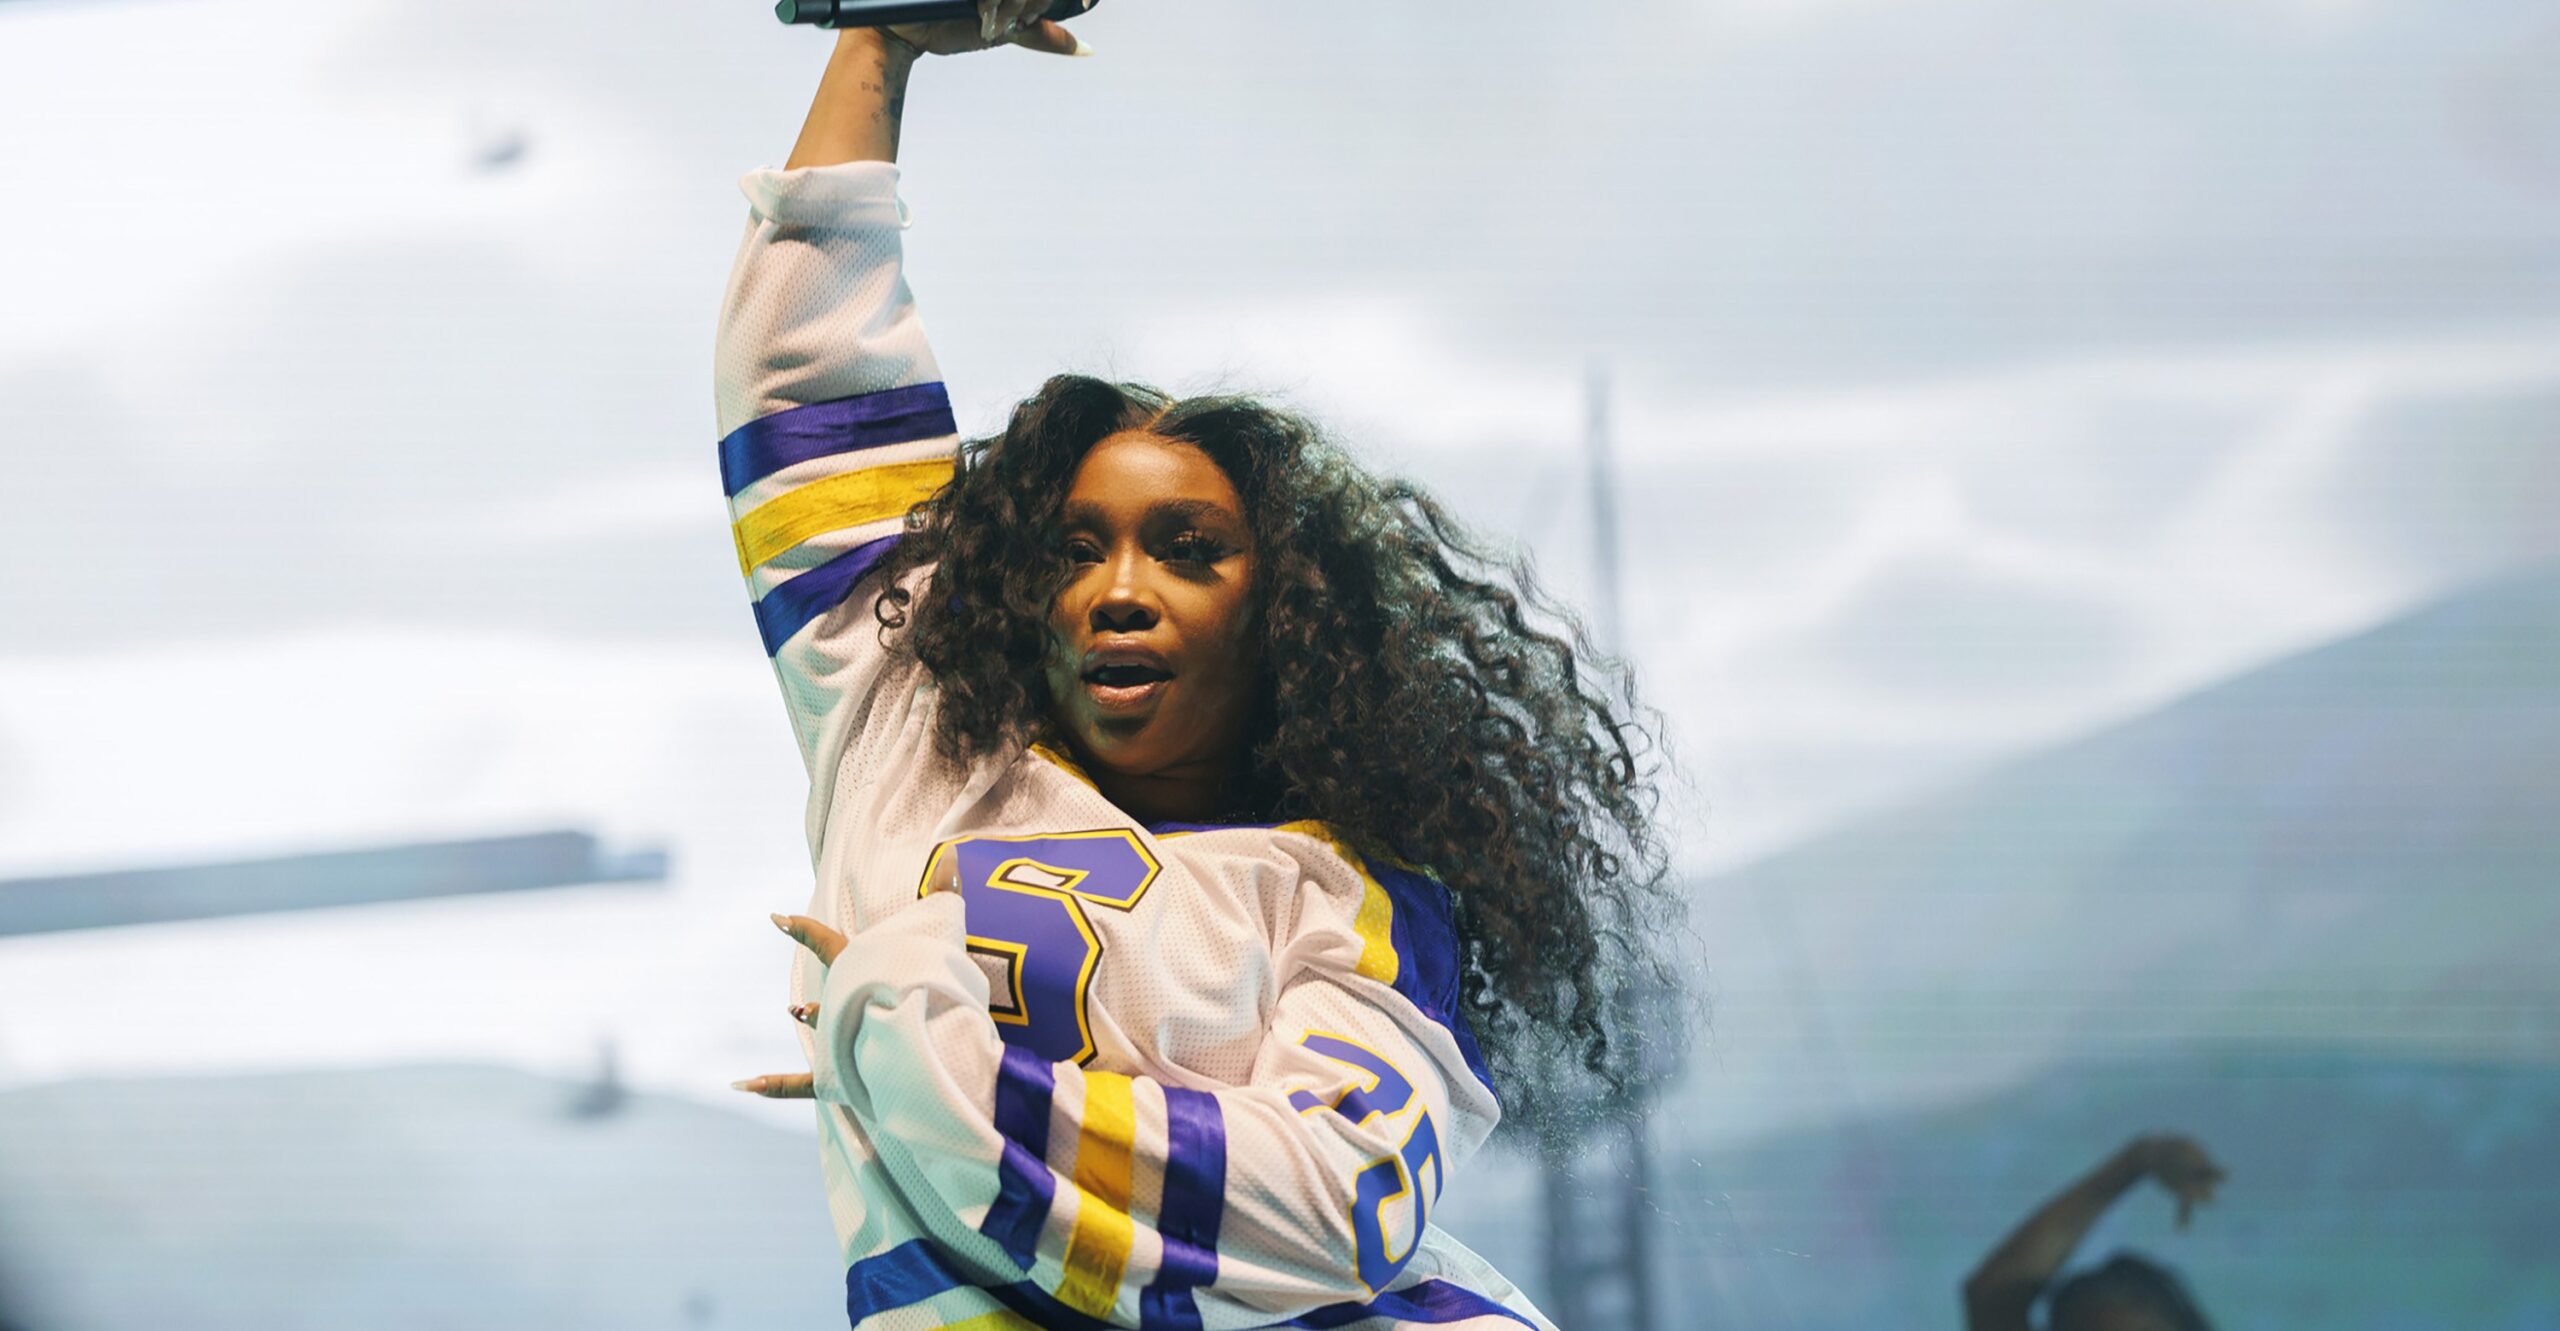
point(999, 23)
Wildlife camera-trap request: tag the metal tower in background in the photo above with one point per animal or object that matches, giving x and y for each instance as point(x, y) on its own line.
point(1608, 624)
point(1599, 1190)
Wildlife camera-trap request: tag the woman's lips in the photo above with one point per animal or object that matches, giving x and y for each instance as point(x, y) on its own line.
point(1122, 699)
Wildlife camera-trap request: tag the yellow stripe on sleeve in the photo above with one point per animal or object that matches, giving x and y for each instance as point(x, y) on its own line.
point(999, 1320)
point(1375, 921)
point(850, 499)
point(1376, 926)
point(1098, 1247)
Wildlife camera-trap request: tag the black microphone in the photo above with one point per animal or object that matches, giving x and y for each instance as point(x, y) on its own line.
point(882, 13)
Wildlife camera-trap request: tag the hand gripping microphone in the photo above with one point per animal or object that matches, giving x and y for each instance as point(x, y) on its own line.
point(882, 13)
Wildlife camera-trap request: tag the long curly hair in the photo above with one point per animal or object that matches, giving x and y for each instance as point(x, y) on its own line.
point(1421, 696)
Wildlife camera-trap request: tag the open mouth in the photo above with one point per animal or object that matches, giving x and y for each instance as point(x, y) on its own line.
point(1118, 685)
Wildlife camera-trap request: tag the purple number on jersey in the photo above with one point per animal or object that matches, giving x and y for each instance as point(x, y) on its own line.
point(1026, 899)
point(1388, 1093)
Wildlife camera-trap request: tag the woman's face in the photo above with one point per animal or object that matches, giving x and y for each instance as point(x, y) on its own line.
point(1153, 650)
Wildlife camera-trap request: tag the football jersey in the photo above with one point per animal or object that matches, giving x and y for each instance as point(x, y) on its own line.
point(1072, 1069)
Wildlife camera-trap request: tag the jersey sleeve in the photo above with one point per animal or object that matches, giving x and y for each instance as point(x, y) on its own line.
point(1081, 1197)
point(834, 422)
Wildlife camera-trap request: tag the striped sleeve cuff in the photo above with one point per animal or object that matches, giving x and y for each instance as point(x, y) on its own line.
point(818, 495)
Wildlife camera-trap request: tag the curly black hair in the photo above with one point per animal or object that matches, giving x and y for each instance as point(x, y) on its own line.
point(1421, 697)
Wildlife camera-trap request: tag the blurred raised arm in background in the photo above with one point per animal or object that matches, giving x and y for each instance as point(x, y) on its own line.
point(2129, 1293)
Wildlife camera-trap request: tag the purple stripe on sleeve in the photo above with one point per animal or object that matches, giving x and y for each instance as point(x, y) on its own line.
point(1425, 935)
point(909, 1273)
point(789, 607)
point(915, 1271)
point(768, 444)
point(1430, 1303)
point(1024, 1186)
point(1164, 1309)
point(1195, 1190)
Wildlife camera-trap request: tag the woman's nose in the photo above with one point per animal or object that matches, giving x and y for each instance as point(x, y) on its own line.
point(1114, 615)
point(1122, 613)
point(1123, 606)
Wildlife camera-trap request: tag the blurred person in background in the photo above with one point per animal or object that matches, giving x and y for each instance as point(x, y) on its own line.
point(2129, 1292)
point(1185, 802)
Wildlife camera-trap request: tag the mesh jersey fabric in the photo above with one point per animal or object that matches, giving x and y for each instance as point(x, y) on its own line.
point(1072, 1070)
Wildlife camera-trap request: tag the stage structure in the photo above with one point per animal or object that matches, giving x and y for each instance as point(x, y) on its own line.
point(355, 877)
point(1599, 1191)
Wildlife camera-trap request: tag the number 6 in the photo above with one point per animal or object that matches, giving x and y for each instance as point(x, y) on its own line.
point(1025, 899)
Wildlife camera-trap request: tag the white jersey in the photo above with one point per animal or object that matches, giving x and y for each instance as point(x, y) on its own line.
point(1124, 1075)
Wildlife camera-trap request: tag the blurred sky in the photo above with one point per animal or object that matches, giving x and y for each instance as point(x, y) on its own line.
point(1985, 370)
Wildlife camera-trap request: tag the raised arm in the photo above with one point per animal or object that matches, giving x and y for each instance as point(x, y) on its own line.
point(832, 413)
point(861, 101)
point(1999, 1294)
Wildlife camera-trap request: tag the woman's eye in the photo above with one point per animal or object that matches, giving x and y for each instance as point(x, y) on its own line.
point(1193, 550)
point(1083, 552)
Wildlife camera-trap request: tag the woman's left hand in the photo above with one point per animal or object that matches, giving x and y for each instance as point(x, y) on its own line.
point(826, 943)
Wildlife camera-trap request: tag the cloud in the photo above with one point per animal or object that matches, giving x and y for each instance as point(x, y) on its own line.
point(362, 734)
point(184, 141)
point(368, 431)
point(2099, 327)
point(1931, 628)
point(2457, 484)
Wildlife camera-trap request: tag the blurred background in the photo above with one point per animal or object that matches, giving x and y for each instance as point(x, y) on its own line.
point(2085, 486)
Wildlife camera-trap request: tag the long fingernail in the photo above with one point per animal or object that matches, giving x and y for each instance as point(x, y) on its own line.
point(1081, 48)
point(780, 923)
point(748, 1085)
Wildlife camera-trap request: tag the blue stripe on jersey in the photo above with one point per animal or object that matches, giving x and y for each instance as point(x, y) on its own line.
point(909, 1273)
point(768, 444)
point(1430, 1303)
point(789, 607)
point(1425, 934)
point(1195, 1191)
point(1025, 1188)
point(915, 1271)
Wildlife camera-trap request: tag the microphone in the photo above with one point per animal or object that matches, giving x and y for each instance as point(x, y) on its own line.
point(882, 13)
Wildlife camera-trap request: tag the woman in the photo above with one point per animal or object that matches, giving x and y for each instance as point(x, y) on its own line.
point(1127, 1002)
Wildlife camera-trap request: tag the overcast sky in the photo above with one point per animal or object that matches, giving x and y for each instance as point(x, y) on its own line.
point(1983, 370)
